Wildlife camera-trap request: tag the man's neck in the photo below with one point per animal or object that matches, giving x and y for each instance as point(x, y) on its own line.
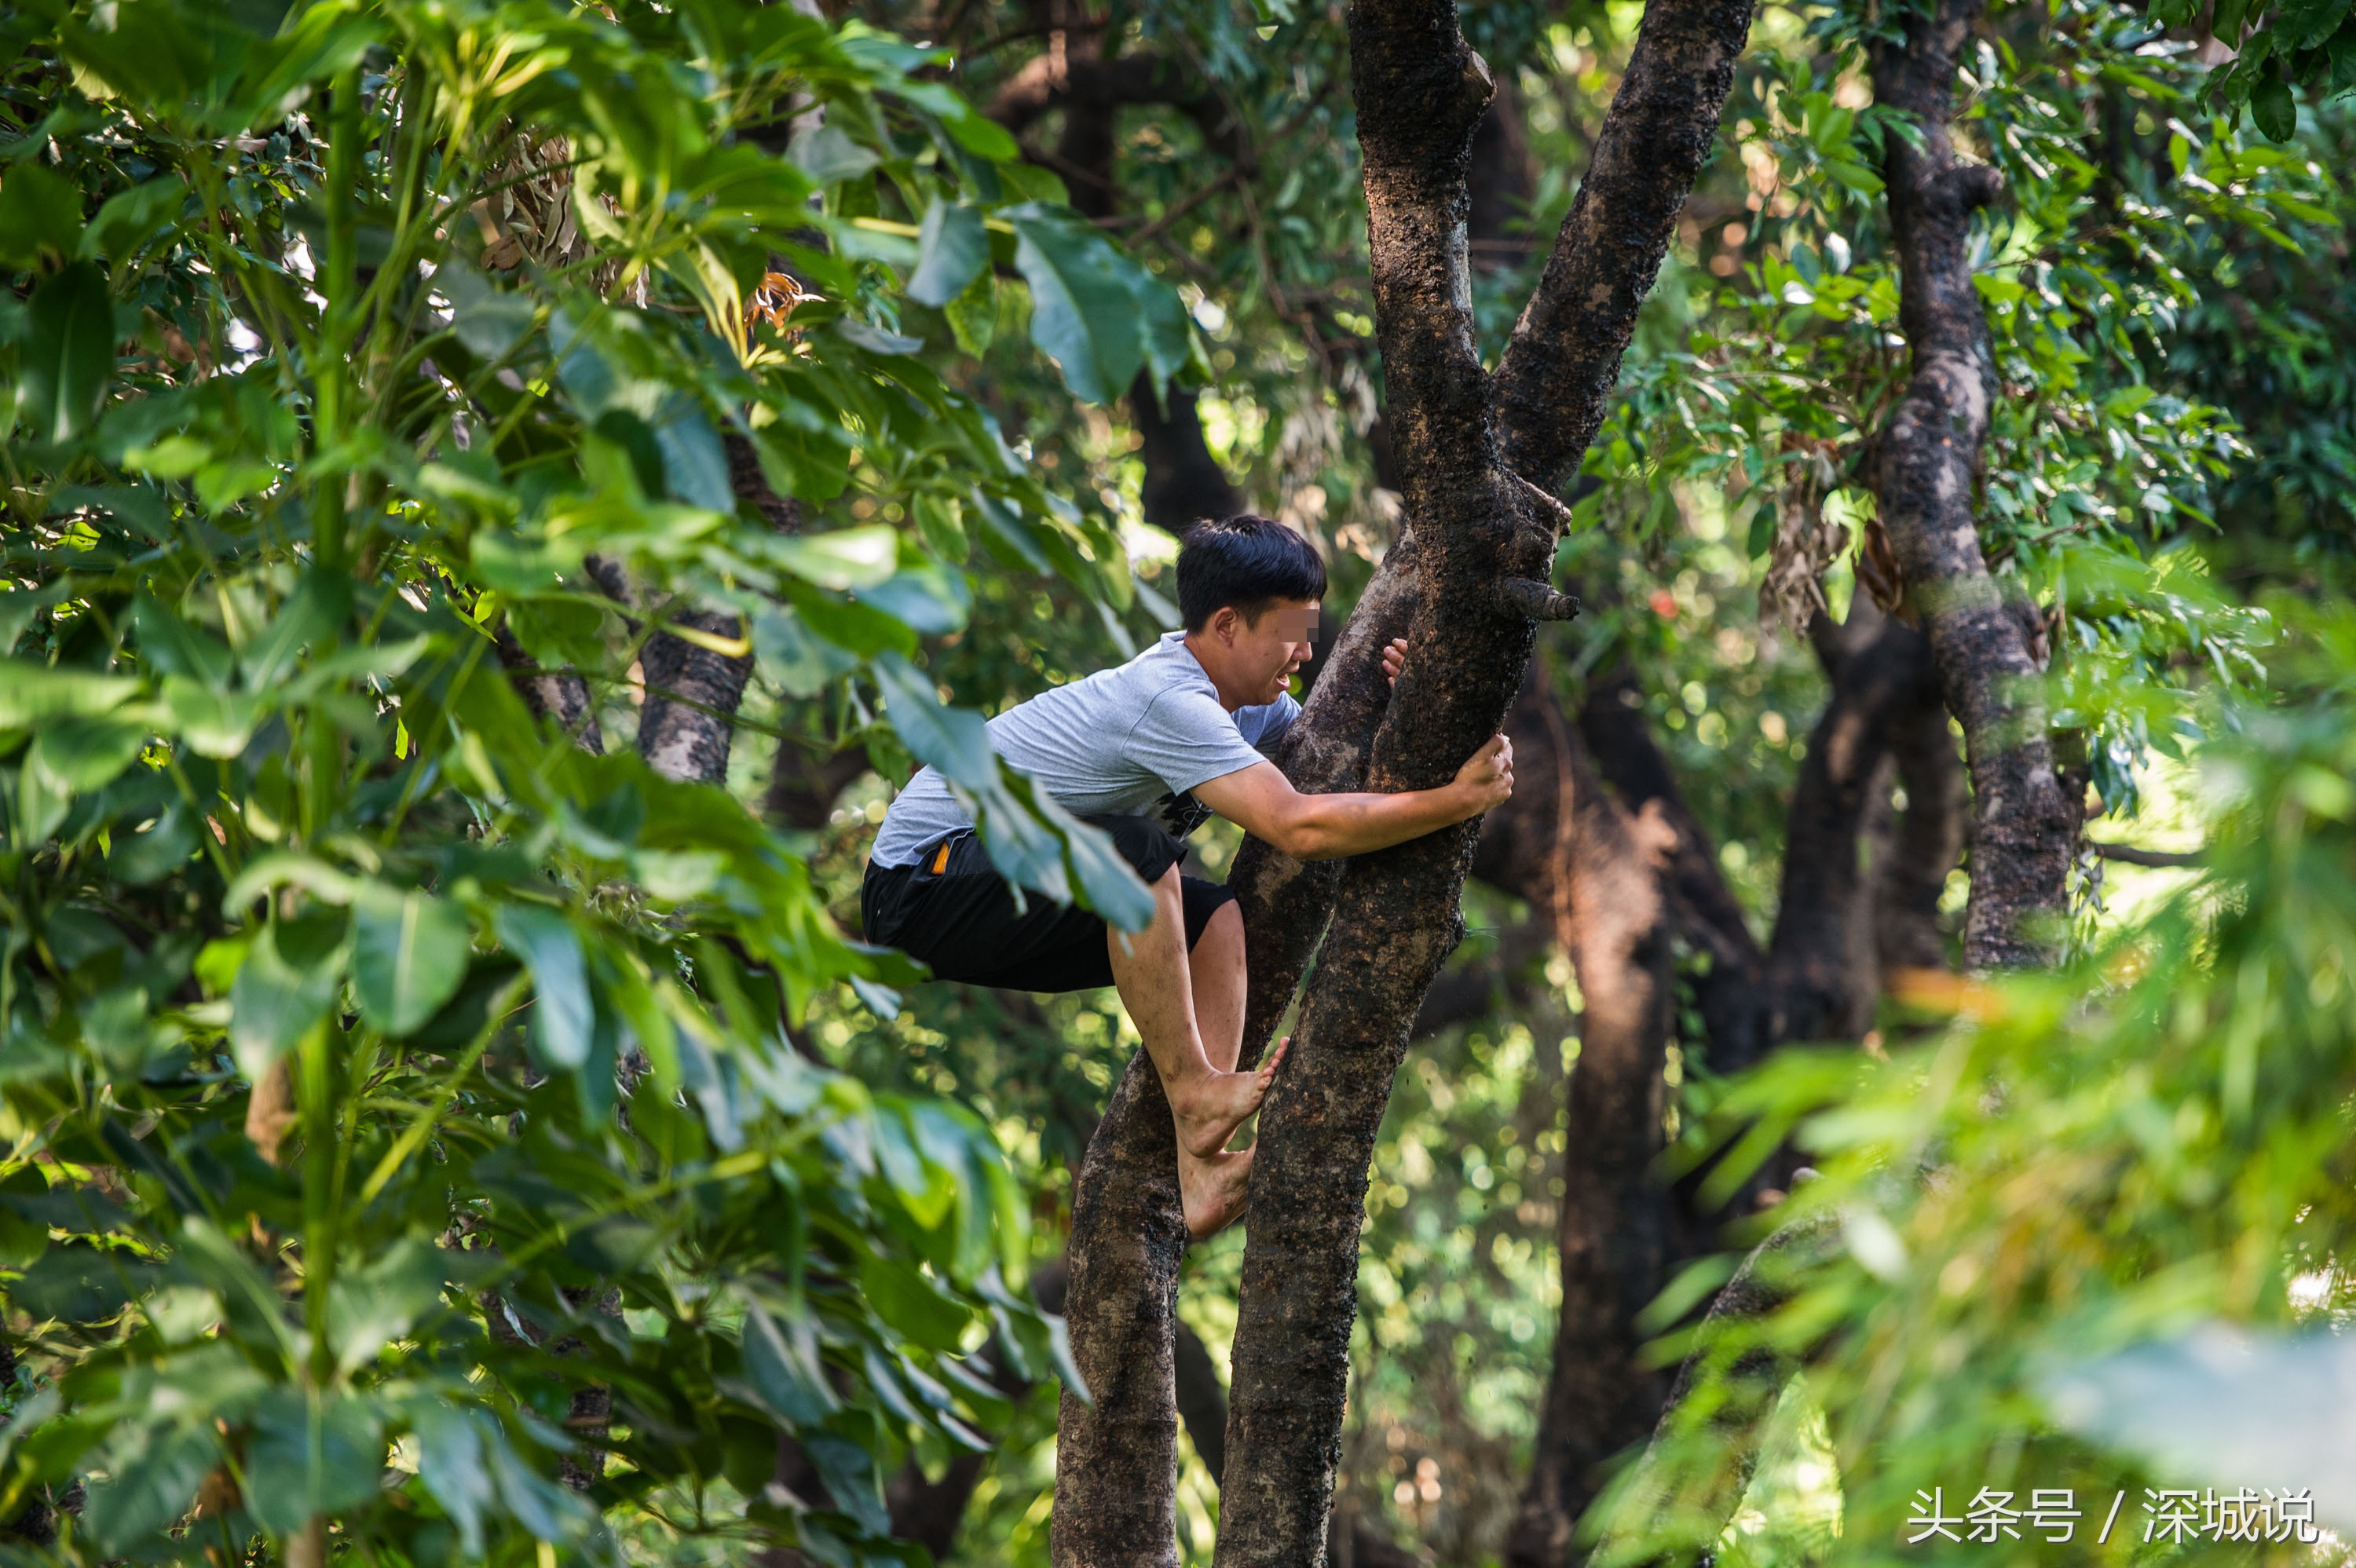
point(1229, 703)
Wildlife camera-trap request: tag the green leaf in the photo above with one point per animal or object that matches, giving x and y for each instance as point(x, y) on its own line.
point(851, 1479)
point(1763, 532)
point(213, 723)
point(153, 1473)
point(782, 1362)
point(450, 1461)
point(40, 215)
point(19, 606)
point(69, 355)
point(370, 1308)
point(321, 1453)
point(973, 315)
point(488, 321)
point(953, 249)
point(32, 695)
point(311, 613)
point(77, 1284)
point(2271, 106)
point(943, 529)
point(175, 647)
point(907, 1301)
point(847, 558)
point(156, 851)
point(1164, 328)
point(1084, 310)
point(292, 975)
point(79, 755)
point(800, 661)
point(409, 952)
point(933, 601)
point(828, 156)
point(563, 1018)
point(131, 218)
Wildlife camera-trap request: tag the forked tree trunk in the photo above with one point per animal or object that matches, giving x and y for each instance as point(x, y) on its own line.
point(1470, 456)
point(2024, 822)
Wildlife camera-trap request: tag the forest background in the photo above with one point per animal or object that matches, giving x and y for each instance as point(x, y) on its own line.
point(784, 394)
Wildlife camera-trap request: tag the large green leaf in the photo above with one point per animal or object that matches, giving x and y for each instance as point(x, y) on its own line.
point(906, 1300)
point(450, 1461)
point(953, 249)
point(369, 1307)
point(33, 694)
point(131, 218)
point(1083, 307)
point(292, 975)
point(153, 1473)
point(782, 1361)
point(175, 647)
point(41, 214)
point(318, 1453)
point(76, 1284)
point(563, 1018)
point(311, 613)
point(410, 950)
point(68, 354)
point(80, 754)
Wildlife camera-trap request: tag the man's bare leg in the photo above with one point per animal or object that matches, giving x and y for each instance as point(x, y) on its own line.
point(1156, 982)
point(1213, 1187)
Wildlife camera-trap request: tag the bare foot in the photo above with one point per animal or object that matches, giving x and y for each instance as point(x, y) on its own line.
point(1210, 1108)
point(1212, 1190)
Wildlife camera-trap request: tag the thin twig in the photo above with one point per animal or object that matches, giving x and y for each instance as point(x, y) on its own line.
point(2129, 855)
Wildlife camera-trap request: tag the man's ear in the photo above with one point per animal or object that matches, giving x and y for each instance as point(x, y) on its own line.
point(1226, 621)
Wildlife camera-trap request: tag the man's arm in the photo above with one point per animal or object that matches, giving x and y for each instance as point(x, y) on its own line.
point(1262, 801)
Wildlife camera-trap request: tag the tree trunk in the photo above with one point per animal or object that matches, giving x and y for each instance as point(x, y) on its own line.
point(1463, 462)
point(687, 724)
point(559, 694)
point(1183, 482)
point(1926, 844)
point(1824, 967)
point(1117, 1451)
point(1616, 1235)
point(2024, 826)
point(1728, 991)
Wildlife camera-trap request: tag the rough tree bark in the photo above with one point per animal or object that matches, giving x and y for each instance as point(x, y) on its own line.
point(2024, 822)
point(1471, 457)
point(1604, 878)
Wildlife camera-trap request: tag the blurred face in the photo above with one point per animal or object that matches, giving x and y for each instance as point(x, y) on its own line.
point(1252, 662)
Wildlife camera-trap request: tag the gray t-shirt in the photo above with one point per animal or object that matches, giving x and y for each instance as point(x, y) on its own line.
point(1132, 739)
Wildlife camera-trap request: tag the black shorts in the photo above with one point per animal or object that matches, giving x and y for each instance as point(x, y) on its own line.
point(953, 910)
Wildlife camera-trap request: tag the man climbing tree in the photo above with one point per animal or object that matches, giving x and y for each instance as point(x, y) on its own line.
point(1146, 751)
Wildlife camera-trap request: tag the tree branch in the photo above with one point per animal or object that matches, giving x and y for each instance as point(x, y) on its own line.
point(2126, 854)
point(2024, 826)
point(1555, 376)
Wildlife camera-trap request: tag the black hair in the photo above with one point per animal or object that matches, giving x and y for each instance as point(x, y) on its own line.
point(1245, 562)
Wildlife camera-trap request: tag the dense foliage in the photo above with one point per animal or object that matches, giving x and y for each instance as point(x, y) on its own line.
point(391, 1077)
point(433, 1137)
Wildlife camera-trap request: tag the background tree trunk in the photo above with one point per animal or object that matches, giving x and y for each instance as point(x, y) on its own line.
point(1605, 888)
point(2024, 822)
